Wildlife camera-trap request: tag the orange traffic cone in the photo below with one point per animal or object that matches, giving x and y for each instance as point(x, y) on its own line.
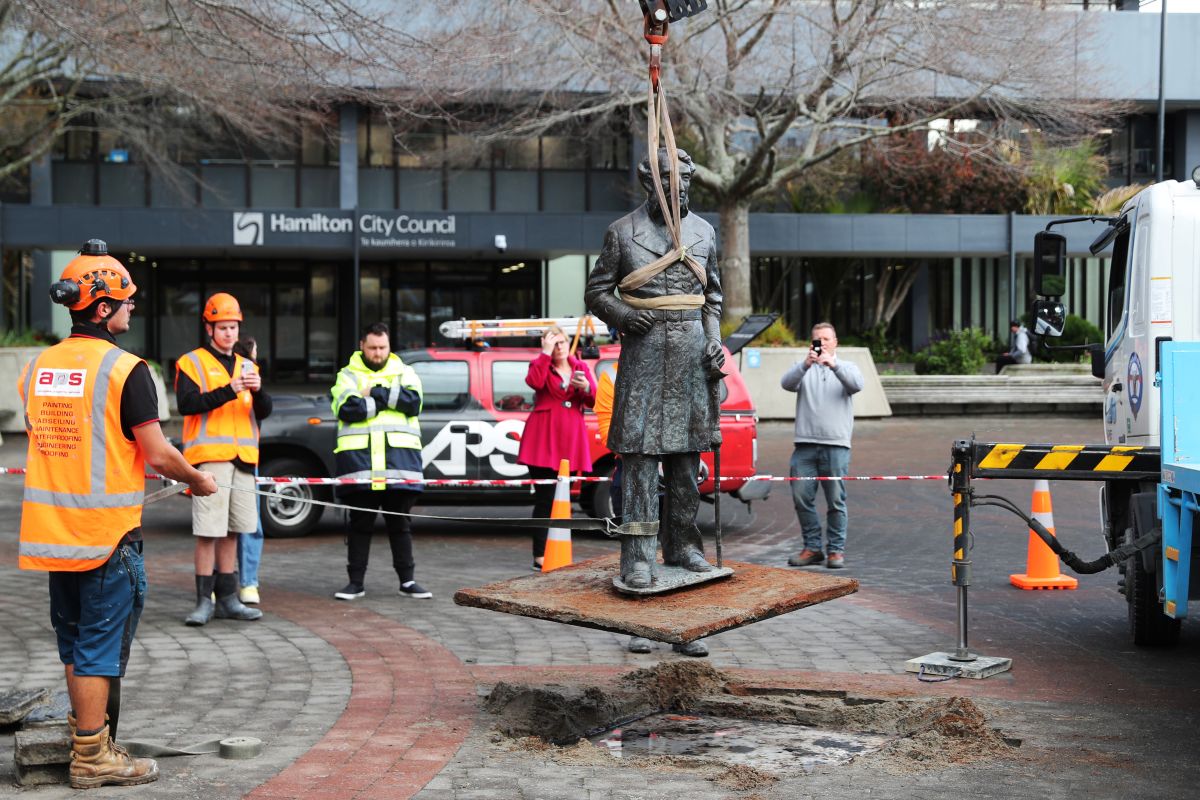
point(558, 540)
point(1041, 567)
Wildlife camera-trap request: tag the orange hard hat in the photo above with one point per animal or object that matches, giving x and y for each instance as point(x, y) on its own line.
point(90, 276)
point(222, 307)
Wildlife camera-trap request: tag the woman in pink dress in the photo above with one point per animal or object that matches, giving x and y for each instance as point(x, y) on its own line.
point(563, 386)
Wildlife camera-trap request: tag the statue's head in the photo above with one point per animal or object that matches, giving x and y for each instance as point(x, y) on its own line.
point(686, 169)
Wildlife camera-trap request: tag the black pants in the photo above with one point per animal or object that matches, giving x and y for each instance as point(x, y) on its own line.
point(1003, 360)
point(362, 524)
point(543, 501)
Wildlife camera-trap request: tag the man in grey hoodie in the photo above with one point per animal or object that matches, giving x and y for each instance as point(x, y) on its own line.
point(824, 387)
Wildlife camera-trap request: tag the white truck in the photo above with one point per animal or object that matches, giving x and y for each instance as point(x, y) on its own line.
point(1152, 297)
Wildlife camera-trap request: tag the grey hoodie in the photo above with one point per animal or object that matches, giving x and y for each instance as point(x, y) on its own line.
point(824, 409)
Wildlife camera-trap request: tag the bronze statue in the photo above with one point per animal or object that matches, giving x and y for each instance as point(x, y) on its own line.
point(668, 311)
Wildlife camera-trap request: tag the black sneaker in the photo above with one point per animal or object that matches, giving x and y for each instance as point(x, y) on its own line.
point(353, 591)
point(413, 589)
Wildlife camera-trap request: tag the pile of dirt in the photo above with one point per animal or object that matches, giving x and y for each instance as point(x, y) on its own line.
point(940, 734)
point(676, 685)
point(561, 714)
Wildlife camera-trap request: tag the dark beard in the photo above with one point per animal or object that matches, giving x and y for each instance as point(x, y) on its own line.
point(656, 212)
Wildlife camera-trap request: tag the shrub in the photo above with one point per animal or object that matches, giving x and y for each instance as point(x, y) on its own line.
point(883, 350)
point(12, 338)
point(955, 353)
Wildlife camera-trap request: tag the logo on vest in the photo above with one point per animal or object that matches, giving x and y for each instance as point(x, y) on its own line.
point(60, 382)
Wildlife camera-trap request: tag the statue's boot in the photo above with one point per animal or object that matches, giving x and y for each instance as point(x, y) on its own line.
point(693, 561)
point(639, 576)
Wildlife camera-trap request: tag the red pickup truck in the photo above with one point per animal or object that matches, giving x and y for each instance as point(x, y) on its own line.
point(475, 405)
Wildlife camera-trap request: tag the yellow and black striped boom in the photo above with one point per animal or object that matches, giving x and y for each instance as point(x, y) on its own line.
point(1081, 462)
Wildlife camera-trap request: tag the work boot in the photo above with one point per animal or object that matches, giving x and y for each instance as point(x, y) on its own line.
point(228, 604)
point(806, 558)
point(204, 602)
point(96, 760)
point(693, 649)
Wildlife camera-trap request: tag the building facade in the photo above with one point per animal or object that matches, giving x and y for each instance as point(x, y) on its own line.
point(320, 236)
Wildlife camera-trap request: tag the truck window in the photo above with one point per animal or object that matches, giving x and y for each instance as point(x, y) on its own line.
point(1139, 267)
point(509, 390)
point(446, 384)
point(1115, 306)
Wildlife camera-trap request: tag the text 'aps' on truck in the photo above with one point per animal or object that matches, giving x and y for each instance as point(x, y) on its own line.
point(1149, 363)
point(475, 405)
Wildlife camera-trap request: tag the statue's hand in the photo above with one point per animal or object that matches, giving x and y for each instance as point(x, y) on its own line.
point(638, 322)
point(714, 359)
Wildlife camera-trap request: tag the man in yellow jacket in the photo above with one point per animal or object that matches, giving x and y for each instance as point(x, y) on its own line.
point(220, 396)
point(377, 399)
point(91, 413)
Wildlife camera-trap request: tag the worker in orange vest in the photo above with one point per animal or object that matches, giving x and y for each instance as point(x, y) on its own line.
point(91, 412)
point(220, 396)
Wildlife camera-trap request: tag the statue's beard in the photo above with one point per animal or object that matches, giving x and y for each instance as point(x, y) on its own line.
point(656, 212)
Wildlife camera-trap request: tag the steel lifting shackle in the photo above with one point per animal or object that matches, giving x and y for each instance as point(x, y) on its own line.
point(656, 35)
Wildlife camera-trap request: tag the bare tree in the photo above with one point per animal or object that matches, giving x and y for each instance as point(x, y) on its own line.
point(163, 72)
point(769, 89)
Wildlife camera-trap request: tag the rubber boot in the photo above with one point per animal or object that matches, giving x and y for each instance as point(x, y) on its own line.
point(98, 761)
point(228, 604)
point(204, 603)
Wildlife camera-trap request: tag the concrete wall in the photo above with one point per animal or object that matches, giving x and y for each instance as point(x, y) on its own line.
point(771, 401)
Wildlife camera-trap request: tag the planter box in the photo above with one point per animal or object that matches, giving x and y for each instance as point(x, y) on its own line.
point(12, 362)
point(762, 367)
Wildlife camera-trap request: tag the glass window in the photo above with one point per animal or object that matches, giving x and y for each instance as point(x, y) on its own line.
point(382, 146)
point(445, 385)
point(515, 154)
point(409, 328)
point(114, 149)
point(465, 152)
point(322, 322)
point(420, 150)
point(564, 152)
point(509, 390)
point(1116, 281)
point(75, 146)
point(610, 152)
point(318, 147)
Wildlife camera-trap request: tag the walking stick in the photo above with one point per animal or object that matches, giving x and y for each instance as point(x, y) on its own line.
point(716, 402)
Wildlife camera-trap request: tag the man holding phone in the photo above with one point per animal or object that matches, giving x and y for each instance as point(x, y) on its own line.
point(824, 388)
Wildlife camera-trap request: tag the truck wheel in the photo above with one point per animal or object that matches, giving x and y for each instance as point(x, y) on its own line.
point(1149, 626)
point(287, 513)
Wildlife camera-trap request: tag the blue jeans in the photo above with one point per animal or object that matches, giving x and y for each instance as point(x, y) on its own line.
point(249, 553)
point(820, 460)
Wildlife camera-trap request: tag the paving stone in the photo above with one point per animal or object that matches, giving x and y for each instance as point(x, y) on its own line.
point(42, 745)
point(16, 703)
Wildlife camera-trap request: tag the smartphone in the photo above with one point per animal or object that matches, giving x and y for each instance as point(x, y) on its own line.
point(816, 346)
point(580, 374)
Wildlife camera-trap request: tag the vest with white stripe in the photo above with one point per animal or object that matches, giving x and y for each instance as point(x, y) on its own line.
point(84, 480)
point(387, 445)
point(228, 431)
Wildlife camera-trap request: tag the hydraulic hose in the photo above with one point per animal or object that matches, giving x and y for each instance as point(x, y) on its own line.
point(1077, 565)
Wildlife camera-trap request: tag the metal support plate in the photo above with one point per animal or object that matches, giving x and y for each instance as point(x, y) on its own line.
point(582, 594)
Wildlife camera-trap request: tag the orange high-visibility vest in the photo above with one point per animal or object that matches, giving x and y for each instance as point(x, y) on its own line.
point(227, 432)
point(84, 480)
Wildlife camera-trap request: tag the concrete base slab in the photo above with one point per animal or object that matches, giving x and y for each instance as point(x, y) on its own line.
point(42, 774)
point(943, 664)
point(15, 704)
point(668, 579)
point(582, 594)
point(43, 745)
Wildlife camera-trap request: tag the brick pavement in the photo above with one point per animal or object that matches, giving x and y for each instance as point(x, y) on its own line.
point(377, 697)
